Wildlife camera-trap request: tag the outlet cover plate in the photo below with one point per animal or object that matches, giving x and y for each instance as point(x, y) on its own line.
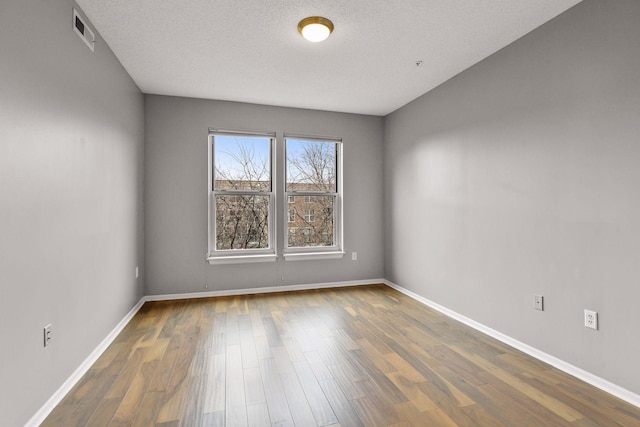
point(47, 335)
point(591, 319)
point(538, 302)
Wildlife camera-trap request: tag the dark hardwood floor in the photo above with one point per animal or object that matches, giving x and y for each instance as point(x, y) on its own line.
point(358, 356)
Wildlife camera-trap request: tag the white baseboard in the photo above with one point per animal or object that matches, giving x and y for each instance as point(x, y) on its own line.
point(585, 376)
point(570, 369)
point(57, 397)
point(265, 290)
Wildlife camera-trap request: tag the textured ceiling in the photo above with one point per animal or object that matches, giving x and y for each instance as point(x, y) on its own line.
point(250, 50)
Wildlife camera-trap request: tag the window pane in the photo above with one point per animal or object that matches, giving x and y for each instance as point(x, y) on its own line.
point(242, 163)
point(242, 221)
point(311, 166)
point(313, 220)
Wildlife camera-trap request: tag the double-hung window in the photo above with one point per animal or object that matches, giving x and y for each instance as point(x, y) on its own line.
point(313, 185)
point(241, 198)
point(244, 191)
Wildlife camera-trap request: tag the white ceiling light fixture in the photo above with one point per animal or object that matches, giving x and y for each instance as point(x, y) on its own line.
point(315, 28)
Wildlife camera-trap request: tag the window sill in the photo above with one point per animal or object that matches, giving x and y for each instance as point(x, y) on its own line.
point(309, 256)
point(241, 259)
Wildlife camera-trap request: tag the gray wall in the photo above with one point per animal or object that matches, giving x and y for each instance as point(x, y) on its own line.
point(521, 175)
point(71, 147)
point(176, 195)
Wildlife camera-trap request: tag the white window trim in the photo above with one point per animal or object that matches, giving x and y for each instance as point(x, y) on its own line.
point(241, 259)
point(310, 256)
point(308, 253)
point(239, 256)
point(236, 256)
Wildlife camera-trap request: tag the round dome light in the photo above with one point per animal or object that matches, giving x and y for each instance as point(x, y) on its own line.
point(315, 28)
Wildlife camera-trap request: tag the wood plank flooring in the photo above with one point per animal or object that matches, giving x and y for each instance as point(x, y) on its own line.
point(359, 356)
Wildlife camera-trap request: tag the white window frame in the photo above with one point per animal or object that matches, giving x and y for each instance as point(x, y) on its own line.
point(215, 256)
point(318, 252)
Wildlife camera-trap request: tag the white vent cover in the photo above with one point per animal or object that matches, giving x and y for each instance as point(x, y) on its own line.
point(83, 30)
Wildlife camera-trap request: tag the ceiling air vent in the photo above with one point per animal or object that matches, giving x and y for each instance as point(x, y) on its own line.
point(83, 30)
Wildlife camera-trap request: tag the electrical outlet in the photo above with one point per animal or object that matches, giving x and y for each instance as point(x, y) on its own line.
point(591, 319)
point(538, 302)
point(47, 335)
point(354, 256)
point(137, 272)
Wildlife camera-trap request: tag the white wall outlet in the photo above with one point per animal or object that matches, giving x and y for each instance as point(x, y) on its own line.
point(47, 335)
point(354, 256)
point(137, 272)
point(591, 319)
point(538, 302)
